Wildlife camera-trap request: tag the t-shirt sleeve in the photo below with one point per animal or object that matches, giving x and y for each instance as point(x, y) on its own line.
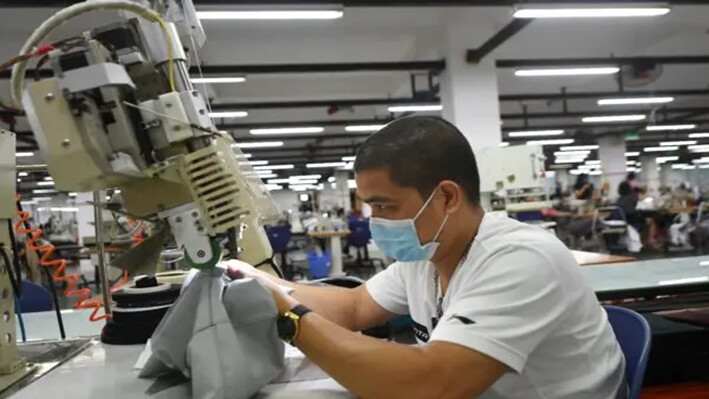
point(388, 288)
point(506, 308)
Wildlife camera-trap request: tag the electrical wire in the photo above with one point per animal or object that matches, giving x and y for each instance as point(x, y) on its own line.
point(15, 282)
point(71, 280)
point(62, 16)
point(20, 320)
point(52, 288)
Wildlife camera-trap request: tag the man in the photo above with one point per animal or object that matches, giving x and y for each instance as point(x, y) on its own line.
point(500, 308)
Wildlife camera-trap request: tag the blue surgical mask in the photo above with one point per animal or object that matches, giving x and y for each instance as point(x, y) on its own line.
point(398, 239)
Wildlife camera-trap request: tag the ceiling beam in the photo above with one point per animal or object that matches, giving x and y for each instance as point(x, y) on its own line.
point(348, 3)
point(474, 56)
point(434, 66)
point(571, 62)
point(603, 94)
point(233, 126)
point(322, 103)
point(581, 114)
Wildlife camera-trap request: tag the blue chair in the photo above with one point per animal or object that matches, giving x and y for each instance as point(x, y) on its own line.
point(634, 336)
point(35, 298)
point(279, 237)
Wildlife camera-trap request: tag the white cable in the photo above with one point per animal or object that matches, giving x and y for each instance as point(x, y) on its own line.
point(56, 20)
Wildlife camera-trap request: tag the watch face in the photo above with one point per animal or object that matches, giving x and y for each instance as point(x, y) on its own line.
point(286, 328)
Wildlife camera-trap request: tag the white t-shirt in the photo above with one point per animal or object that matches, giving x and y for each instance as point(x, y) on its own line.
point(519, 298)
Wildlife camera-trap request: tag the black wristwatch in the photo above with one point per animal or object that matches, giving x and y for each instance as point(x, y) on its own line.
point(288, 324)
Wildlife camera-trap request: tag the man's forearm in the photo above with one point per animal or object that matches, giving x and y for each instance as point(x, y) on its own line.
point(366, 366)
point(336, 304)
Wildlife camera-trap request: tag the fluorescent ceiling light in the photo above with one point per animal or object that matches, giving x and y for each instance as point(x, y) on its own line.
point(287, 130)
point(225, 79)
point(660, 149)
point(292, 181)
point(570, 160)
point(595, 173)
point(673, 143)
point(348, 159)
point(260, 144)
point(261, 15)
point(504, 144)
point(629, 163)
point(572, 153)
point(593, 162)
point(229, 114)
point(326, 165)
point(41, 198)
point(45, 191)
point(698, 135)
point(704, 166)
point(363, 128)
point(614, 12)
point(612, 118)
point(48, 178)
point(702, 160)
point(257, 163)
point(266, 175)
point(579, 148)
point(632, 154)
point(71, 194)
point(306, 177)
point(567, 71)
point(273, 187)
point(666, 159)
point(24, 154)
point(416, 108)
point(550, 142)
point(45, 183)
point(536, 133)
point(655, 128)
point(698, 147)
point(22, 174)
point(637, 100)
point(274, 167)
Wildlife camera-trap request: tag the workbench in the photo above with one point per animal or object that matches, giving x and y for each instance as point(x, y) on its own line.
point(649, 278)
point(106, 371)
point(335, 238)
point(593, 258)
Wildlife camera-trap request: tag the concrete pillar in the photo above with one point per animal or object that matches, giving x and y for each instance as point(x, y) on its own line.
point(651, 175)
point(469, 91)
point(612, 155)
point(342, 190)
point(563, 177)
point(665, 170)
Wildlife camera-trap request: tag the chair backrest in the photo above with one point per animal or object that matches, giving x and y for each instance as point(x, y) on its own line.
point(279, 237)
point(634, 336)
point(35, 298)
point(359, 233)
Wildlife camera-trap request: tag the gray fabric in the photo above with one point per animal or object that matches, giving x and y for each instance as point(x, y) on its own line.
point(222, 335)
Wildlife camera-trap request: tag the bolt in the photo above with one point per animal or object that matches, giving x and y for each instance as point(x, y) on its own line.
point(178, 219)
point(176, 128)
point(168, 105)
point(195, 93)
point(201, 254)
point(66, 143)
point(201, 112)
point(195, 214)
point(49, 97)
point(200, 229)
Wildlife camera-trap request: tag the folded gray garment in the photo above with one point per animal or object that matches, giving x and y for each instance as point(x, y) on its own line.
point(222, 336)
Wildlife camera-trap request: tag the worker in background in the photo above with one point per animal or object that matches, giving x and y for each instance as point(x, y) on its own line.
point(584, 191)
point(498, 306)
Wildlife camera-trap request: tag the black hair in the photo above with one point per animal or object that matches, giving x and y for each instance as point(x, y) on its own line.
point(581, 179)
point(420, 152)
point(631, 176)
point(624, 189)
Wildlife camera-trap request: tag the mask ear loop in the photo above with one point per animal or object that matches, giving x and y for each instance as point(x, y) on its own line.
point(440, 229)
point(425, 204)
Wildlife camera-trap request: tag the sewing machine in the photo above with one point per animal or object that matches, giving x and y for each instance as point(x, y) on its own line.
point(121, 112)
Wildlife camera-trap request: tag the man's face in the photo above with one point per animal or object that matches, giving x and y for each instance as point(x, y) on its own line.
point(394, 202)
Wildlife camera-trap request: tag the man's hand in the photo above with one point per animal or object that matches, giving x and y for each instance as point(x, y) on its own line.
point(237, 269)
